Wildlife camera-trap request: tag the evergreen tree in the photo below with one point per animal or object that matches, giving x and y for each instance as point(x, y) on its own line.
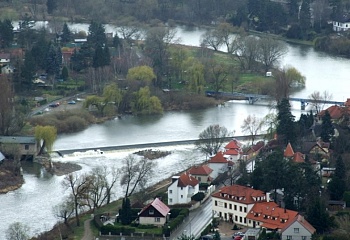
point(28, 69)
point(285, 122)
point(305, 16)
point(98, 59)
point(64, 74)
point(6, 33)
point(39, 53)
point(97, 35)
point(66, 35)
point(318, 216)
point(293, 9)
point(54, 60)
point(117, 42)
point(125, 213)
point(327, 129)
point(106, 56)
point(337, 185)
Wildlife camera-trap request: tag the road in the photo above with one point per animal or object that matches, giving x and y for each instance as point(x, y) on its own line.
point(197, 220)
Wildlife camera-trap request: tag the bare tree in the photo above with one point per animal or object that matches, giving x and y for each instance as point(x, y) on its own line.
point(211, 139)
point(252, 125)
point(271, 51)
point(319, 100)
point(135, 173)
point(65, 210)
point(17, 231)
point(286, 78)
point(130, 31)
point(246, 50)
point(79, 186)
point(212, 39)
point(218, 72)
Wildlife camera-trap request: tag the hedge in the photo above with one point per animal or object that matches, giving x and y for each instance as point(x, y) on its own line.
point(115, 230)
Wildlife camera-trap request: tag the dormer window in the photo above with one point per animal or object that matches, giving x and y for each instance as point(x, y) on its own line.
point(151, 211)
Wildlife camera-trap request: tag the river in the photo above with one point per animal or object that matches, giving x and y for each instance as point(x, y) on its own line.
point(32, 204)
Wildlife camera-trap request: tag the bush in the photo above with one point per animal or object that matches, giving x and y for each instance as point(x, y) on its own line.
point(115, 230)
point(146, 226)
point(198, 197)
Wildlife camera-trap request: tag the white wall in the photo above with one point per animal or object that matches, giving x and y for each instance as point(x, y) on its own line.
point(296, 231)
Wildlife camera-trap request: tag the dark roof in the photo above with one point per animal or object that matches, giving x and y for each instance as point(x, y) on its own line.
point(17, 139)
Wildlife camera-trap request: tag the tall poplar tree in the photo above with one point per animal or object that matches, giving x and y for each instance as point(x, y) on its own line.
point(286, 129)
point(327, 129)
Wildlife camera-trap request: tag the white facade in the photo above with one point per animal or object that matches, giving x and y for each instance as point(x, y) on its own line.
point(181, 195)
point(341, 26)
point(152, 221)
point(231, 211)
point(296, 231)
point(233, 158)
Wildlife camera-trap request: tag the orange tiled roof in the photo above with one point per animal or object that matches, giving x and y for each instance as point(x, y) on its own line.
point(289, 152)
point(187, 180)
point(347, 103)
point(231, 152)
point(200, 170)
point(298, 157)
point(335, 111)
point(218, 158)
point(241, 194)
point(299, 218)
point(233, 144)
point(271, 215)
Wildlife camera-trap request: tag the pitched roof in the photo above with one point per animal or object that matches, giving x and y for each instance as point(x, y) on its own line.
point(17, 139)
point(289, 152)
point(187, 180)
point(218, 158)
point(300, 219)
point(233, 144)
point(5, 56)
point(200, 170)
point(231, 152)
point(159, 206)
point(335, 111)
point(298, 157)
point(271, 215)
point(242, 194)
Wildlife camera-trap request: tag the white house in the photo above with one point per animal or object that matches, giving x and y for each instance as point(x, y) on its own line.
point(233, 151)
point(298, 229)
point(7, 69)
point(182, 188)
point(156, 213)
point(201, 173)
point(4, 58)
point(232, 203)
point(219, 164)
point(341, 24)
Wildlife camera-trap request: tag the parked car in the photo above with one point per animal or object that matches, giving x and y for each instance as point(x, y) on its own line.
point(54, 105)
point(71, 102)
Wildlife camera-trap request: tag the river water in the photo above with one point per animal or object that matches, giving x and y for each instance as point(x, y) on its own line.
point(32, 204)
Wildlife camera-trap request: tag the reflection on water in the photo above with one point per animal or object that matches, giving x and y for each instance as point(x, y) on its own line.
point(35, 169)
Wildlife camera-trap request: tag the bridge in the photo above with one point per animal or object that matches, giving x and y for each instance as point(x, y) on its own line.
point(252, 98)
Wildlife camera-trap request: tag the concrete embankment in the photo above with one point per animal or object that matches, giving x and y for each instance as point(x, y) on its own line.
point(143, 145)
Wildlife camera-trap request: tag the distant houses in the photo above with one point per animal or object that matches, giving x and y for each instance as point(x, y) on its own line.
point(25, 146)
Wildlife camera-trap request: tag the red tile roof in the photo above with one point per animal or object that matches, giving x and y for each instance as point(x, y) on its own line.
point(335, 111)
point(231, 152)
point(187, 180)
point(347, 103)
point(271, 215)
point(241, 194)
point(289, 152)
point(298, 157)
point(218, 158)
point(200, 170)
point(233, 144)
point(300, 219)
point(159, 206)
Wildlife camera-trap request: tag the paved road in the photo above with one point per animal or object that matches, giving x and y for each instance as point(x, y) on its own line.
point(197, 220)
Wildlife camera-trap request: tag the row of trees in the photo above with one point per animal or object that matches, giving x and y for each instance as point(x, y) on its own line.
point(92, 190)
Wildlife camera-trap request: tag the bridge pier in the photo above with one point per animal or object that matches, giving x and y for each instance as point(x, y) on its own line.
point(302, 105)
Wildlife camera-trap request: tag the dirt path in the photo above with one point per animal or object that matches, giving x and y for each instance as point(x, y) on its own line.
point(87, 231)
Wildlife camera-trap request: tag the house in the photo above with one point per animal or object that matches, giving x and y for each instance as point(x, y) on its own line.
point(201, 173)
point(233, 151)
point(7, 69)
point(156, 213)
point(297, 229)
point(219, 164)
point(317, 149)
point(253, 151)
point(296, 157)
point(341, 23)
point(182, 188)
point(4, 58)
point(270, 216)
point(25, 145)
point(232, 203)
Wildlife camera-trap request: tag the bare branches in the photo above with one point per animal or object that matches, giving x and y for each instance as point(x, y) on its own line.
point(252, 125)
point(319, 100)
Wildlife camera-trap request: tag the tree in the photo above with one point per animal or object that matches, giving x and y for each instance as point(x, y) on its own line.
point(51, 6)
point(17, 231)
point(45, 137)
point(113, 94)
point(6, 106)
point(319, 100)
point(125, 212)
point(195, 75)
point(144, 103)
point(337, 185)
point(78, 186)
point(66, 35)
point(97, 36)
point(64, 210)
point(54, 61)
point(327, 128)
point(141, 73)
point(218, 72)
point(246, 50)
point(286, 78)
point(135, 173)
point(6, 33)
point(271, 51)
point(211, 38)
point(285, 122)
point(305, 16)
point(318, 216)
point(211, 139)
point(65, 74)
point(252, 125)
point(28, 70)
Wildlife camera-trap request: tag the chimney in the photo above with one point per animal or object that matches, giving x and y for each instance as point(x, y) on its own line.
point(174, 179)
point(267, 197)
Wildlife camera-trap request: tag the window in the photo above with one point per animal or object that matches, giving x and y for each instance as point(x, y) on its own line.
point(225, 205)
point(240, 219)
point(216, 203)
point(289, 237)
point(151, 212)
point(157, 219)
point(182, 188)
point(170, 191)
point(182, 196)
point(235, 207)
point(236, 218)
point(303, 238)
point(199, 179)
point(245, 209)
point(26, 147)
point(296, 230)
point(230, 206)
point(240, 208)
point(170, 200)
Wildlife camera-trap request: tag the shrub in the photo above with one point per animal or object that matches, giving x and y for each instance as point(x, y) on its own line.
point(114, 230)
point(198, 197)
